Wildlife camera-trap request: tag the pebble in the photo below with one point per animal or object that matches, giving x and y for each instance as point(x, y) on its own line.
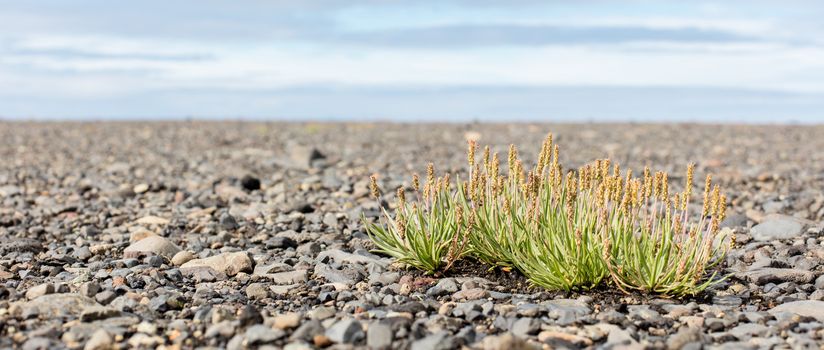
point(228, 263)
point(777, 226)
point(346, 331)
point(152, 245)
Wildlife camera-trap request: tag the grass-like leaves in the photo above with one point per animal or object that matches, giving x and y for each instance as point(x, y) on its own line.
point(564, 231)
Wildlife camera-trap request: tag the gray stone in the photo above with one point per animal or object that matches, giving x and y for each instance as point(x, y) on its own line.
point(151, 245)
point(343, 257)
point(763, 276)
point(445, 286)
point(525, 326)
point(228, 263)
point(437, 341)
point(809, 308)
point(66, 305)
point(257, 291)
point(39, 290)
point(777, 226)
point(288, 277)
point(182, 257)
point(346, 331)
point(100, 340)
point(379, 336)
point(281, 291)
point(745, 331)
point(304, 156)
point(260, 334)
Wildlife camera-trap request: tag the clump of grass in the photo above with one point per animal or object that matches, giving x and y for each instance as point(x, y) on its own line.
point(428, 234)
point(563, 231)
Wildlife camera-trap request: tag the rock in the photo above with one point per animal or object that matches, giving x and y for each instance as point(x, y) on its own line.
point(140, 188)
point(282, 291)
point(100, 340)
point(618, 337)
point(182, 257)
point(745, 331)
point(287, 277)
point(445, 286)
point(437, 341)
point(685, 336)
point(227, 263)
point(343, 257)
point(808, 308)
point(763, 276)
point(152, 220)
point(563, 340)
point(471, 294)
point(257, 291)
point(152, 245)
point(525, 326)
point(777, 226)
point(346, 331)
point(65, 305)
point(39, 290)
point(18, 244)
point(250, 183)
point(304, 156)
point(260, 334)
point(287, 321)
point(505, 341)
point(228, 222)
point(379, 336)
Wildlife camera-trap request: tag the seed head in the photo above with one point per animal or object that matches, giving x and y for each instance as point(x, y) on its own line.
point(706, 208)
point(470, 153)
point(722, 207)
point(430, 174)
point(416, 182)
point(401, 197)
point(373, 186)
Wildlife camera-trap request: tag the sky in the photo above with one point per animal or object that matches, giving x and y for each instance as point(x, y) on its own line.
point(706, 61)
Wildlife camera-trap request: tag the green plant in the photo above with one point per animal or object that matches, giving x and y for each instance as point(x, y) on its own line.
point(563, 231)
point(428, 234)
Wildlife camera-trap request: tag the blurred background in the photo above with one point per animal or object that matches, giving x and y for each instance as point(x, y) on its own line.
point(663, 61)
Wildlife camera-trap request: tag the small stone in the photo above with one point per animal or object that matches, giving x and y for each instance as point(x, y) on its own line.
point(260, 334)
point(140, 188)
point(39, 290)
point(182, 257)
point(379, 336)
point(152, 245)
point(563, 340)
point(525, 326)
point(505, 341)
point(152, 220)
point(304, 156)
point(748, 330)
point(808, 308)
point(100, 340)
point(777, 226)
point(346, 331)
point(227, 263)
point(471, 294)
point(257, 291)
point(287, 321)
point(250, 183)
point(288, 277)
point(444, 286)
point(763, 276)
point(437, 341)
point(89, 289)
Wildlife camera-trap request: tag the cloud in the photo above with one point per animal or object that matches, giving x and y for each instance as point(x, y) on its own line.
point(462, 36)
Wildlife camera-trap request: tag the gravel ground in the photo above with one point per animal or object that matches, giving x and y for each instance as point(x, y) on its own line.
point(247, 235)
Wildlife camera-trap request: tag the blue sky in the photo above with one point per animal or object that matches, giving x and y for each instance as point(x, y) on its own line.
point(712, 61)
